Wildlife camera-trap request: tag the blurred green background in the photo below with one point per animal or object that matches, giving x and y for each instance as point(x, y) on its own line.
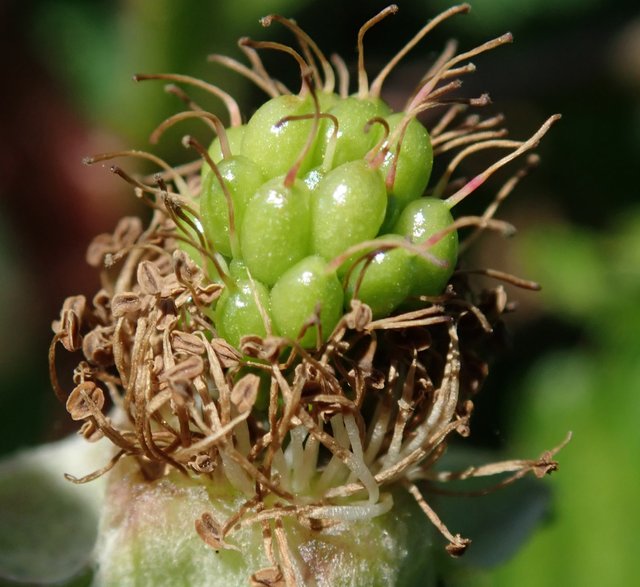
point(574, 358)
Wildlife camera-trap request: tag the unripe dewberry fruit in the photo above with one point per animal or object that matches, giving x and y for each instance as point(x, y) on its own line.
point(291, 343)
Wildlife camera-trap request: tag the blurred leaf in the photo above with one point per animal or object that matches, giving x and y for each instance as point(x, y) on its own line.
point(570, 264)
point(591, 389)
point(495, 14)
point(98, 47)
point(83, 52)
point(624, 251)
point(48, 525)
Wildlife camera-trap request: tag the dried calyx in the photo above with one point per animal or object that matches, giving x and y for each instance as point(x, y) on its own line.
point(319, 428)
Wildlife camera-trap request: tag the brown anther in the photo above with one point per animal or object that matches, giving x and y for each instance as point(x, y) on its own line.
point(84, 400)
point(165, 265)
point(168, 314)
point(157, 365)
point(90, 432)
point(210, 531)
point(99, 247)
point(209, 293)
point(126, 303)
point(69, 332)
point(102, 306)
point(171, 287)
point(245, 392)
point(202, 463)
point(359, 316)
point(149, 278)
point(494, 302)
point(185, 342)
point(268, 577)
point(73, 304)
point(459, 546)
point(186, 370)
point(97, 346)
point(267, 349)
point(186, 270)
point(83, 372)
point(228, 356)
point(127, 231)
point(545, 466)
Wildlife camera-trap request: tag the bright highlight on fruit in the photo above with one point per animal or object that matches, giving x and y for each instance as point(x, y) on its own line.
point(295, 325)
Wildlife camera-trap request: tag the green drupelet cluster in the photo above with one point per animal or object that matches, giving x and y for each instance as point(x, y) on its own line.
point(316, 200)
